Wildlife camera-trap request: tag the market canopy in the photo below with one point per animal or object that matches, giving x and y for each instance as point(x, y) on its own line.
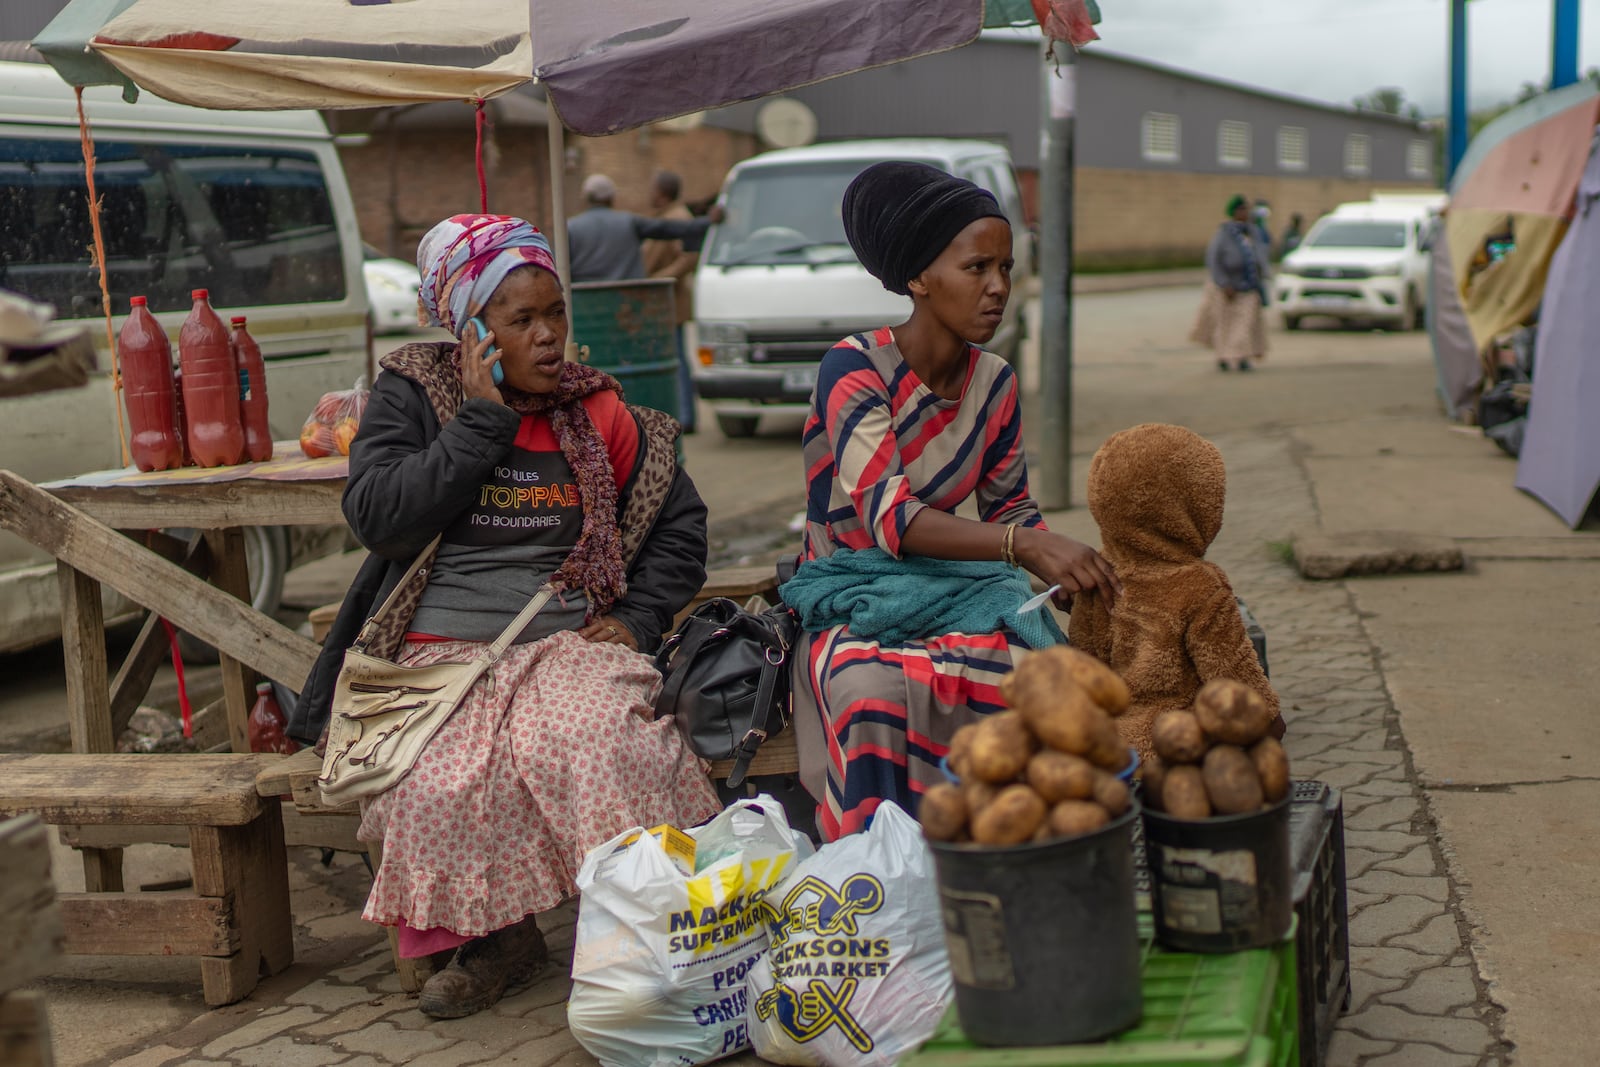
point(607, 65)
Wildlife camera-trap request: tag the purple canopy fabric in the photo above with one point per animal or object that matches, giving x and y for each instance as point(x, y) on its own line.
point(1560, 458)
point(610, 65)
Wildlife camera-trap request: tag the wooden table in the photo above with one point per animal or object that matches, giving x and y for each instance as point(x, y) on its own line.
point(168, 577)
point(103, 529)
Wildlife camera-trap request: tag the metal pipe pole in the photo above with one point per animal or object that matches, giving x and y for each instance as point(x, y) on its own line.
point(556, 140)
point(1052, 477)
point(1564, 44)
point(1457, 142)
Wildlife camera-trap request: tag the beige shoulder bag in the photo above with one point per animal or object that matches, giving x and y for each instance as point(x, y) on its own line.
point(385, 714)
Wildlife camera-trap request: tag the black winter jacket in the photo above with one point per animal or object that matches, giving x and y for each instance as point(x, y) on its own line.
point(409, 480)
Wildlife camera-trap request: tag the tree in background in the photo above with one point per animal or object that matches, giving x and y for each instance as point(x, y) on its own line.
point(1389, 100)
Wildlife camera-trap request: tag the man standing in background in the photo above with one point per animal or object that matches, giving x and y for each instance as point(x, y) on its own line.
point(604, 242)
point(670, 259)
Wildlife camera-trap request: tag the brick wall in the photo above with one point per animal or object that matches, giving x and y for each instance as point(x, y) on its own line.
point(404, 181)
point(1138, 218)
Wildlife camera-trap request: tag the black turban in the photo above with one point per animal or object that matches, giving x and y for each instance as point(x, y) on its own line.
point(899, 216)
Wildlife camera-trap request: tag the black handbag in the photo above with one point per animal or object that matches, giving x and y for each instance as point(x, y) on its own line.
point(726, 680)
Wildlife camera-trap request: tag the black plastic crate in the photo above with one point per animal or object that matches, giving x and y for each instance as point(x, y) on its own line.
point(1253, 630)
point(1322, 934)
point(1316, 840)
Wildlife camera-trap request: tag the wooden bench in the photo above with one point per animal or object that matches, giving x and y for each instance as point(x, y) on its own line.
point(237, 919)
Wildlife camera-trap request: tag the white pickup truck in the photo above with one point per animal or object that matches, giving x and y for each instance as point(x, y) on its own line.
point(1364, 262)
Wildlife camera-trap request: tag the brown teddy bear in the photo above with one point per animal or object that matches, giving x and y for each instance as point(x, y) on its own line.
point(1157, 493)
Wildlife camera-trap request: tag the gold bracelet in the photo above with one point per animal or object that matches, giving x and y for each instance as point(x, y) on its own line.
point(1007, 551)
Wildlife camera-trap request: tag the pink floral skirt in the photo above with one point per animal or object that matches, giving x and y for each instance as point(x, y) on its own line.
point(553, 752)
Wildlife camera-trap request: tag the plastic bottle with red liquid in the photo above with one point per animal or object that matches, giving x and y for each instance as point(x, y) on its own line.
point(214, 430)
point(268, 727)
point(252, 393)
point(145, 355)
point(183, 423)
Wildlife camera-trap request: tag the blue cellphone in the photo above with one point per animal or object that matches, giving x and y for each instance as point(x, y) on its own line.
point(483, 331)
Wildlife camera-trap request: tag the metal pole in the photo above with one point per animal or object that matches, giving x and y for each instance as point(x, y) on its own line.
point(1457, 142)
point(1564, 44)
point(556, 134)
point(1052, 478)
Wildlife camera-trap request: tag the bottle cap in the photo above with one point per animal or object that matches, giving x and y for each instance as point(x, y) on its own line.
point(137, 301)
point(199, 294)
point(263, 688)
point(237, 320)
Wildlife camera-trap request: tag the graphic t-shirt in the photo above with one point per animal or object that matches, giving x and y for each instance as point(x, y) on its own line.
point(519, 528)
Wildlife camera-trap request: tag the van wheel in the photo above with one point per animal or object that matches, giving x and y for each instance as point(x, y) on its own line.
point(1419, 314)
point(1291, 322)
point(266, 551)
point(1408, 311)
point(738, 425)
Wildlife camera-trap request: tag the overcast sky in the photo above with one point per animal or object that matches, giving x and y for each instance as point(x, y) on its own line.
point(1333, 50)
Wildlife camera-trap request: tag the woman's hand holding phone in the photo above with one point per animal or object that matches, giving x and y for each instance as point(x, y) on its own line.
point(480, 363)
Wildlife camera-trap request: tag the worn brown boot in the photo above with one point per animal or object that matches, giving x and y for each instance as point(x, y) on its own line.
point(483, 969)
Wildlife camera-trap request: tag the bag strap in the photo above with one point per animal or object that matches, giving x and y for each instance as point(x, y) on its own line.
point(369, 629)
point(683, 650)
point(760, 715)
point(518, 624)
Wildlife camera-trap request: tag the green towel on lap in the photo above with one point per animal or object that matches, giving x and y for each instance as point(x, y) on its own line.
point(893, 601)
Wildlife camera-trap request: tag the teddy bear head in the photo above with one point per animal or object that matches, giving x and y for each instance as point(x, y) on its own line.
point(1157, 491)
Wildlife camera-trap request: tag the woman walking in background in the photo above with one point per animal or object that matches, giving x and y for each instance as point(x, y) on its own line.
point(1230, 320)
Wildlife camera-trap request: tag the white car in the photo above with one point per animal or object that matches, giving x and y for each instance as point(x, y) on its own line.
point(392, 286)
point(1364, 262)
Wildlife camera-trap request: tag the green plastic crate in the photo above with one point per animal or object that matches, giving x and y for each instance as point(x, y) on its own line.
point(1233, 1010)
point(632, 334)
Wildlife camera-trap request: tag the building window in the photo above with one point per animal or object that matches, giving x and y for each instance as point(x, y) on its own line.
point(1233, 143)
point(1158, 137)
point(1292, 152)
point(1419, 160)
point(1357, 154)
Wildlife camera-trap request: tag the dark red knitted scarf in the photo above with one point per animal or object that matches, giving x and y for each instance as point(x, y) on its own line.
point(595, 564)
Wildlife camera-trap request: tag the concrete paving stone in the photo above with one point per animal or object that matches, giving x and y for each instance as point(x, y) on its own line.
point(260, 1029)
point(1381, 788)
point(1393, 842)
point(354, 1017)
point(372, 964)
point(1351, 774)
point(387, 983)
point(1377, 924)
point(1357, 861)
point(155, 1056)
point(1412, 1054)
point(1418, 862)
point(486, 1028)
point(1387, 883)
point(457, 1055)
point(1356, 899)
point(387, 1041)
point(1439, 937)
point(1366, 988)
point(365, 1061)
point(550, 991)
point(546, 1051)
point(1349, 1049)
point(1381, 814)
point(1383, 1022)
point(285, 1051)
point(327, 996)
point(1393, 961)
point(1437, 991)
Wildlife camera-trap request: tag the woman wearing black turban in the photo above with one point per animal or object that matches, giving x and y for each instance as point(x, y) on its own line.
point(909, 423)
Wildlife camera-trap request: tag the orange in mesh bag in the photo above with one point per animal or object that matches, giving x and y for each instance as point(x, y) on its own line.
point(332, 424)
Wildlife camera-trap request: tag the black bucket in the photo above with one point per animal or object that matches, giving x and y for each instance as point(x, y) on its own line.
point(1220, 884)
point(1044, 939)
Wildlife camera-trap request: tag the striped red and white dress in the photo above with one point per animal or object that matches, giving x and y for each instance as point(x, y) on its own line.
point(872, 721)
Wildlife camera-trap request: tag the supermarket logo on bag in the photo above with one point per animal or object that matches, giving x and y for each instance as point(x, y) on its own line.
point(815, 938)
point(723, 906)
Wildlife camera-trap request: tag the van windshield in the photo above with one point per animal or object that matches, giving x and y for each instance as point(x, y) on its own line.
point(1358, 234)
point(253, 225)
point(786, 214)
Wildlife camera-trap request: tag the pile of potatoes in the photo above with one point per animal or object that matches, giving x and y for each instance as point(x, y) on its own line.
point(1045, 768)
point(1217, 758)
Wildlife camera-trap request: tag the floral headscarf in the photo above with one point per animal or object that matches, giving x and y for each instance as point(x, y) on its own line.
point(464, 259)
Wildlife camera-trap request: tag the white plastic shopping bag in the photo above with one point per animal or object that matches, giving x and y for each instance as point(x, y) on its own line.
point(857, 974)
point(662, 958)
